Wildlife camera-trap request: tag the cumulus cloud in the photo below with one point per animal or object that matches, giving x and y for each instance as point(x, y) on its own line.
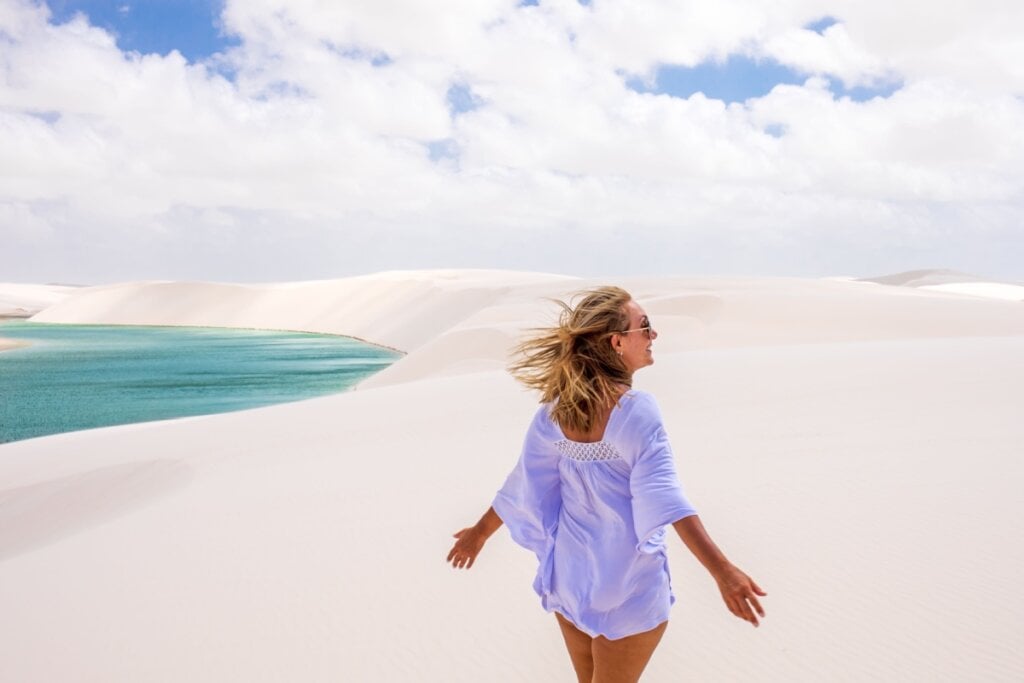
point(331, 140)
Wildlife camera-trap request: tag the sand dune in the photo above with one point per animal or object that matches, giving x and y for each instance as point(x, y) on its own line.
point(400, 310)
point(953, 282)
point(855, 448)
point(924, 278)
point(21, 301)
point(985, 290)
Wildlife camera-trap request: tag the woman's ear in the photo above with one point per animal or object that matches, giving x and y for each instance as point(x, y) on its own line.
point(616, 342)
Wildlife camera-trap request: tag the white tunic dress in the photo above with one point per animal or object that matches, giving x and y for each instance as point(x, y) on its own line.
point(595, 516)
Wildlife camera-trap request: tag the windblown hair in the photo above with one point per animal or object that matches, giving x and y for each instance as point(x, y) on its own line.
point(575, 362)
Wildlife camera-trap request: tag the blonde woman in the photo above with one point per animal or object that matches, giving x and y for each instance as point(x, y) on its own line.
point(594, 489)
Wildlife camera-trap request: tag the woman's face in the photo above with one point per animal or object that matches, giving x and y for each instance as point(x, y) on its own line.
point(635, 345)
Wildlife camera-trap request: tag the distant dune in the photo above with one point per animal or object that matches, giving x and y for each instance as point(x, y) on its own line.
point(22, 301)
point(923, 278)
point(953, 282)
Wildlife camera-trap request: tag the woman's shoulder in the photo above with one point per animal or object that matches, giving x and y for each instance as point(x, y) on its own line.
point(640, 412)
point(640, 402)
point(542, 417)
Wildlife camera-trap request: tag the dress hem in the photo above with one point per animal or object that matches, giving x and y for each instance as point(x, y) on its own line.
point(596, 634)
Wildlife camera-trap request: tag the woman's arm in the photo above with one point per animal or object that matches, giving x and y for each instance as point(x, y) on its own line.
point(471, 540)
point(738, 590)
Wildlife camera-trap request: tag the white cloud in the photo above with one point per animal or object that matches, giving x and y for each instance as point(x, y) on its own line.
point(311, 158)
point(832, 52)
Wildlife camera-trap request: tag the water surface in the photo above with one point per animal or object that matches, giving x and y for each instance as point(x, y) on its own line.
point(74, 377)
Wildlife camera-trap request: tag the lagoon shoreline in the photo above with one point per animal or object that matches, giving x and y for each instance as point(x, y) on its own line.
point(81, 377)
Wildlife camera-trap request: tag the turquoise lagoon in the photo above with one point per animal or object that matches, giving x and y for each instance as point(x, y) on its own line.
point(73, 377)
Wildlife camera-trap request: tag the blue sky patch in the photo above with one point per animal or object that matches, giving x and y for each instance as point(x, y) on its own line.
point(50, 117)
point(741, 78)
point(192, 27)
point(374, 58)
point(461, 99)
point(736, 80)
point(443, 149)
point(820, 25)
point(776, 130)
point(282, 90)
point(863, 93)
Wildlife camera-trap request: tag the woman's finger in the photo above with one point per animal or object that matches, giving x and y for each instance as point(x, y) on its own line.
point(748, 613)
point(736, 609)
point(756, 604)
point(731, 604)
point(739, 607)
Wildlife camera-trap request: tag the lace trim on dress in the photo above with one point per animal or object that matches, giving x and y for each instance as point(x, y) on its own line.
point(587, 452)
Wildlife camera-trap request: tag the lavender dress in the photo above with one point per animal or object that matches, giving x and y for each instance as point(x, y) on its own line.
point(595, 516)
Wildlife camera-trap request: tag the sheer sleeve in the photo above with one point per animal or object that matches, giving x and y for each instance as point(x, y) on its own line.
point(658, 498)
point(530, 500)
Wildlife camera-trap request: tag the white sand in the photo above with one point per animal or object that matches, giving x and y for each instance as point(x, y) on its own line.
point(7, 344)
point(985, 290)
point(400, 309)
point(952, 282)
point(21, 300)
point(856, 449)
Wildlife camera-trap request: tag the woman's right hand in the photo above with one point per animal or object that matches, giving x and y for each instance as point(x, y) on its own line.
point(470, 541)
point(740, 593)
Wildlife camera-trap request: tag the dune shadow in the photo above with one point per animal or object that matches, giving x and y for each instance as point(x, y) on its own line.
point(46, 512)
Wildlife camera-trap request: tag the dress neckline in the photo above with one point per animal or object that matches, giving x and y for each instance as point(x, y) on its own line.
point(615, 409)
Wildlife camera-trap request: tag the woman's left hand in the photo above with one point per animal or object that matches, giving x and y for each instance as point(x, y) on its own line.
point(740, 593)
point(469, 544)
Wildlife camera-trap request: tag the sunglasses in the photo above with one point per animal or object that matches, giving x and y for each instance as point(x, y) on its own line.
point(646, 327)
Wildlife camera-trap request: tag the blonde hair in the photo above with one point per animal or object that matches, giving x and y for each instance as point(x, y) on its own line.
point(574, 362)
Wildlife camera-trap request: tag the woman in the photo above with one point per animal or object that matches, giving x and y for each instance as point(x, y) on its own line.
point(595, 488)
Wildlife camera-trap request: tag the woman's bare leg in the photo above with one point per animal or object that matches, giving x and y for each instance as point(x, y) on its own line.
point(623, 660)
point(578, 643)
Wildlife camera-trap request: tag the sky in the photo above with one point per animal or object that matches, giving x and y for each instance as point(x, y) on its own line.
point(269, 140)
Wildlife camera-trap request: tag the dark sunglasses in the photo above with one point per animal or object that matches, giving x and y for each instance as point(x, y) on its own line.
point(646, 327)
